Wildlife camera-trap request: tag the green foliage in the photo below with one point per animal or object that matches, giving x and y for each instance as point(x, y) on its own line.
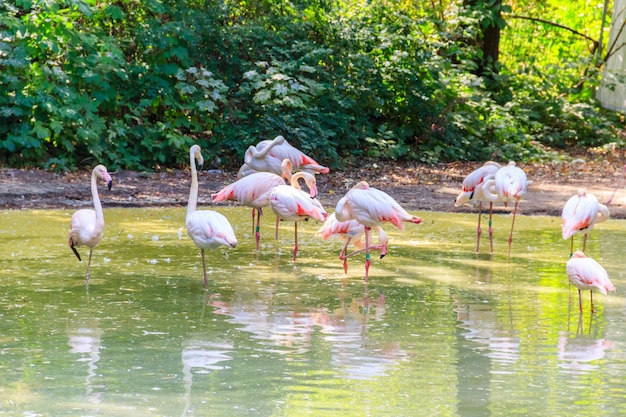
point(132, 84)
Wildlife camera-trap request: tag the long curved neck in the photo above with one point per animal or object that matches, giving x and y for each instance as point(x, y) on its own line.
point(193, 190)
point(309, 179)
point(263, 153)
point(97, 205)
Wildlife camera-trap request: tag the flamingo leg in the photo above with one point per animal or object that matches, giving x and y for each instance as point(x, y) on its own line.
point(206, 280)
point(276, 233)
point(295, 245)
point(88, 266)
point(478, 230)
point(344, 257)
point(367, 253)
point(571, 248)
point(490, 229)
point(257, 233)
point(592, 310)
point(512, 225)
point(585, 242)
point(580, 302)
point(253, 211)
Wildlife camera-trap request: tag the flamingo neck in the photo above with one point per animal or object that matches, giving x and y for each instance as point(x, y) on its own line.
point(97, 205)
point(193, 190)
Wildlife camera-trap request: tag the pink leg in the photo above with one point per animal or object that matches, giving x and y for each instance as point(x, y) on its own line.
point(571, 248)
point(344, 257)
point(478, 231)
point(367, 253)
point(206, 280)
point(295, 246)
point(253, 212)
point(512, 226)
point(277, 220)
point(490, 229)
point(580, 302)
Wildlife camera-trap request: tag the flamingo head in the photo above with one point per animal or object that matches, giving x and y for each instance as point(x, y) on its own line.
point(102, 172)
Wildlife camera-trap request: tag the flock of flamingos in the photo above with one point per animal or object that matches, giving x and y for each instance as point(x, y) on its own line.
point(262, 183)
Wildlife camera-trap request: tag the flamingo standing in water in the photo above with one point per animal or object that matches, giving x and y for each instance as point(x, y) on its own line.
point(587, 274)
point(208, 229)
point(371, 207)
point(351, 231)
point(87, 225)
point(580, 214)
point(254, 191)
point(267, 156)
point(290, 203)
point(508, 185)
point(472, 191)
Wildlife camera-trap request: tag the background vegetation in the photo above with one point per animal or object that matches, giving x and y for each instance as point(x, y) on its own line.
point(132, 83)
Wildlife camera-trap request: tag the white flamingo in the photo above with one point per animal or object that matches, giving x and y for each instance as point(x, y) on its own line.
point(586, 274)
point(268, 155)
point(208, 229)
point(253, 191)
point(371, 207)
point(87, 225)
point(472, 191)
point(290, 203)
point(508, 185)
point(580, 214)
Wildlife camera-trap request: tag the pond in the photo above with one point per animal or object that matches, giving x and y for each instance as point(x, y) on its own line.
point(438, 331)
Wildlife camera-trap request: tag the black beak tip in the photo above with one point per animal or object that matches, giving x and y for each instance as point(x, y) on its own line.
point(382, 256)
point(109, 184)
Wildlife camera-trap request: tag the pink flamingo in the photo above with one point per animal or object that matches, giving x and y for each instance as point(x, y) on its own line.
point(580, 215)
point(87, 225)
point(208, 229)
point(351, 231)
point(509, 184)
point(290, 203)
point(267, 156)
point(586, 274)
point(254, 191)
point(472, 191)
point(371, 207)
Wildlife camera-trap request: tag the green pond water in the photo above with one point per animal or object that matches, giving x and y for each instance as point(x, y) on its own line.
point(439, 330)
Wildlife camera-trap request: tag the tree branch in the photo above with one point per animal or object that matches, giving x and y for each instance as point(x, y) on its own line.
point(547, 22)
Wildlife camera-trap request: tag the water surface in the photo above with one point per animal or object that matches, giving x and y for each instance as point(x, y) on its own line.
point(438, 331)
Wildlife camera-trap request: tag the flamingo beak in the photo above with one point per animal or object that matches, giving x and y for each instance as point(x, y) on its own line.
point(109, 184)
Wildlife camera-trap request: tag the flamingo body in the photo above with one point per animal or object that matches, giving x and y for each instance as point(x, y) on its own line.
point(267, 156)
point(290, 203)
point(207, 229)
point(586, 274)
point(473, 190)
point(87, 225)
point(472, 187)
point(371, 208)
point(581, 213)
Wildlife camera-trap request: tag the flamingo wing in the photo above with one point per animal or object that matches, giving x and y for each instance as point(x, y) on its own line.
point(209, 229)
point(292, 204)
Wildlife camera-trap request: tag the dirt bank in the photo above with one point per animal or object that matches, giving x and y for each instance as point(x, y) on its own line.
point(417, 187)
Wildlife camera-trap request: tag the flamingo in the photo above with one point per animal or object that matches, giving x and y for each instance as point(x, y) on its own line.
point(508, 185)
point(253, 191)
point(208, 229)
point(473, 191)
point(267, 156)
point(371, 207)
point(87, 225)
point(351, 231)
point(587, 274)
point(580, 214)
point(290, 203)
